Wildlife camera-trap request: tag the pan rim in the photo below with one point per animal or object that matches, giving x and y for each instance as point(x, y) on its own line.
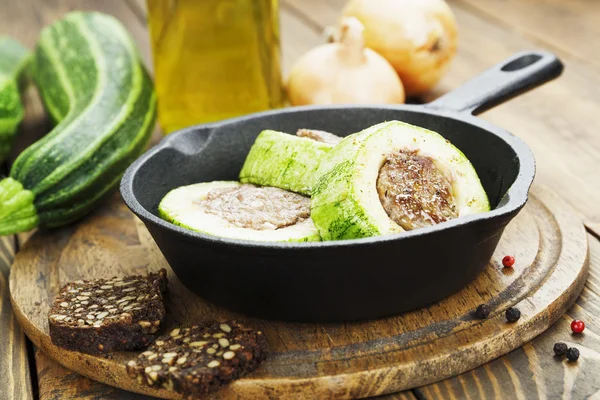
point(517, 194)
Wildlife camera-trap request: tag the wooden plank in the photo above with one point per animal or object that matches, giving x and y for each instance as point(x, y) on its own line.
point(7, 253)
point(532, 371)
point(296, 38)
point(406, 395)
point(57, 382)
point(18, 20)
point(558, 120)
point(15, 378)
point(568, 27)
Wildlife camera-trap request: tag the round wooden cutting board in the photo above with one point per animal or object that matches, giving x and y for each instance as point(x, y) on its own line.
point(324, 360)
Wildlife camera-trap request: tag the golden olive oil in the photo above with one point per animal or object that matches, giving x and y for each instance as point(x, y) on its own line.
point(214, 59)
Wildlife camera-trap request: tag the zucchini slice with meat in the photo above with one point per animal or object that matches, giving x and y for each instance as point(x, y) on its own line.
point(240, 211)
point(393, 177)
point(285, 161)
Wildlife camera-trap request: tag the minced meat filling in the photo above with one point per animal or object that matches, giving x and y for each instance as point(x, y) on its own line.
point(413, 192)
point(260, 208)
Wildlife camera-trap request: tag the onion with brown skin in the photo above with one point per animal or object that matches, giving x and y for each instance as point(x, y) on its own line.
point(344, 72)
point(417, 37)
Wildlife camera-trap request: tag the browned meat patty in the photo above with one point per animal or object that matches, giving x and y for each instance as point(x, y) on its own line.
point(413, 192)
point(249, 206)
point(319, 136)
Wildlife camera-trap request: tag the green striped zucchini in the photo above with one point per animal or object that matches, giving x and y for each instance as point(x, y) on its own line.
point(14, 59)
point(94, 85)
point(284, 161)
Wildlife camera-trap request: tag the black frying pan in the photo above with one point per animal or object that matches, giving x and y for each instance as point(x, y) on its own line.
point(353, 279)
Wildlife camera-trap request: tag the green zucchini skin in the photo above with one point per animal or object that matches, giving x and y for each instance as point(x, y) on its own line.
point(94, 85)
point(14, 59)
point(284, 161)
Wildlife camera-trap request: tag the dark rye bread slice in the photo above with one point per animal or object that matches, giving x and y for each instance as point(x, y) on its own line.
point(104, 315)
point(196, 360)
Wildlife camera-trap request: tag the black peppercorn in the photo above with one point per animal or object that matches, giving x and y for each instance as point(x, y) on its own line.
point(513, 314)
point(482, 311)
point(572, 354)
point(560, 348)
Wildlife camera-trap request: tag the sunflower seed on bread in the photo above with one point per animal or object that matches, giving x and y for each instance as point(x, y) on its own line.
point(103, 315)
point(196, 360)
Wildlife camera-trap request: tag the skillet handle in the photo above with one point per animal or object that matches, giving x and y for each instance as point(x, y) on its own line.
point(516, 75)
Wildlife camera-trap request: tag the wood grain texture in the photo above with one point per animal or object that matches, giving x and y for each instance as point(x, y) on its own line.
point(7, 254)
point(558, 120)
point(532, 371)
point(406, 395)
point(15, 378)
point(332, 360)
point(568, 27)
point(58, 383)
point(24, 19)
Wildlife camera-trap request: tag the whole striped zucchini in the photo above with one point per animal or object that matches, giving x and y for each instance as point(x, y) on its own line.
point(94, 85)
point(14, 59)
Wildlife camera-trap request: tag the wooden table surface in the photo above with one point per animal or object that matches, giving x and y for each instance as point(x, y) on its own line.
point(560, 121)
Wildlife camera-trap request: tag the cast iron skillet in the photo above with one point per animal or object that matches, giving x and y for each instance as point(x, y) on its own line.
point(354, 279)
